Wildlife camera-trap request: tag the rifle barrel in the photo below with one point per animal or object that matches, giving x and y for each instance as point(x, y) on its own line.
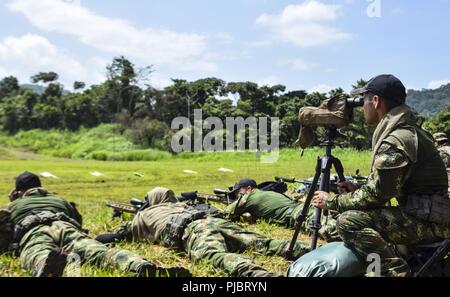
point(122, 207)
point(209, 197)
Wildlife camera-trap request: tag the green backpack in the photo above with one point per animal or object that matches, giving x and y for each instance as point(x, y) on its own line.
point(332, 112)
point(6, 230)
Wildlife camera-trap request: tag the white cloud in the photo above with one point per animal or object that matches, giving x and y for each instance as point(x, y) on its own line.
point(321, 88)
point(268, 81)
point(258, 44)
point(160, 82)
point(296, 64)
point(3, 72)
point(29, 54)
point(305, 25)
point(117, 36)
point(436, 84)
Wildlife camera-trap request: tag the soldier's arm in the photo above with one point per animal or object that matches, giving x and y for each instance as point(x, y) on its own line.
point(75, 214)
point(389, 169)
point(445, 157)
point(236, 209)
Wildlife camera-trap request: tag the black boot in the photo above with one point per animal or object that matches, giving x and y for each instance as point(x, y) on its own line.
point(151, 270)
point(54, 264)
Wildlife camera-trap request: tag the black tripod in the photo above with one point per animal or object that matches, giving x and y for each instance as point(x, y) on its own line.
point(323, 168)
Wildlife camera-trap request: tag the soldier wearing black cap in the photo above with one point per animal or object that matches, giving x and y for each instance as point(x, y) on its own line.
point(203, 237)
point(443, 146)
point(253, 204)
point(47, 228)
point(405, 166)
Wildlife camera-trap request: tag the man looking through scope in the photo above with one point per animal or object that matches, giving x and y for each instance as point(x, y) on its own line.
point(405, 166)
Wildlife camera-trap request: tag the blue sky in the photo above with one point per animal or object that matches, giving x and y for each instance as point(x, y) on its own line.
point(310, 45)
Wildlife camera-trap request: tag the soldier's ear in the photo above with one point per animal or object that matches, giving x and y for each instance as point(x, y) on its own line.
point(376, 101)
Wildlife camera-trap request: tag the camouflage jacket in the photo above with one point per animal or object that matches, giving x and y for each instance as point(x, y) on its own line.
point(444, 151)
point(405, 162)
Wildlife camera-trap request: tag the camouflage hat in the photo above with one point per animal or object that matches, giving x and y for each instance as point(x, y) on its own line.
point(438, 137)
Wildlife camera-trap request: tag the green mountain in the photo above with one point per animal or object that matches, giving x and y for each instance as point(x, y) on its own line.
point(429, 102)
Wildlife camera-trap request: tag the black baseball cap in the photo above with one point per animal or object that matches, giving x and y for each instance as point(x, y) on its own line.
point(387, 86)
point(26, 181)
point(243, 184)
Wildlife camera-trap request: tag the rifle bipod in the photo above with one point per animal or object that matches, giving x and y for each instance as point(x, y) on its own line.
point(323, 168)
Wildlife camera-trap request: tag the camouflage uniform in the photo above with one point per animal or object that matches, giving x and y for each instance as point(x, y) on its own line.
point(205, 239)
point(36, 243)
point(405, 164)
point(221, 242)
point(444, 151)
point(5, 230)
point(281, 210)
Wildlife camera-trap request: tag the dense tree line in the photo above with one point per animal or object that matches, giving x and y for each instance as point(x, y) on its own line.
point(429, 102)
point(145, 113)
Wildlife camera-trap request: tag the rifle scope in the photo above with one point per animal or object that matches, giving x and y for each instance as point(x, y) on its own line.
point(355, 102)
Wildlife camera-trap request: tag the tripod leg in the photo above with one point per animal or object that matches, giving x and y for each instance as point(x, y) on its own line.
point(326, 163)
point(301, 218)
point(339, 169)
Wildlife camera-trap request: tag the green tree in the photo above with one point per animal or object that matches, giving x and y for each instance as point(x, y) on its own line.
point(8, 86)
point(123, 82)
point(44, 77)
point(440, 122)
point(149, 133)
point(194, 94)
point(79, 85)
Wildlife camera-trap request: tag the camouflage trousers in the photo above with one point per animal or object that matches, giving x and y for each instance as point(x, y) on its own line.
point(328, 231)
point(376, 231)
point(39, 241)
point(220, 242)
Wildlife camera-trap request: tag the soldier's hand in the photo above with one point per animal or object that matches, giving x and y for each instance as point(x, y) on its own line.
point(12, 195)
point(247, 217)
point(320, 200)
point(347, 187)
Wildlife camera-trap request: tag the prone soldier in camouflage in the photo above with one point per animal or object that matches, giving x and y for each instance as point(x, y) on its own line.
point(253, 204)
point(443, 146)
point(48, 228)
point(203, 237)
point(405, 165)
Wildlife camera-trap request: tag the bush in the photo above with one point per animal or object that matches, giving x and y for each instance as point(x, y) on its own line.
point(149, 133)
point(130, 156)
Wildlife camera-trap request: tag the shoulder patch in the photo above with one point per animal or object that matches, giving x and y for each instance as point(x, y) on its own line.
point(388, 157)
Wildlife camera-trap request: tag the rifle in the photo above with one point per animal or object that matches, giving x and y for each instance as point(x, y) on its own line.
point(135, 205)
point(220, 196)
point(306, 184)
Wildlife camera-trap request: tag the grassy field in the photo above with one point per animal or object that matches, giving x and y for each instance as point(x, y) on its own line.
point(119, 183)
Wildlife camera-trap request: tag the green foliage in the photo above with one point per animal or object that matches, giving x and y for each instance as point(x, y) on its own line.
point(440, 122)
point(429, 102)
point(44, 77)
point(8, 86)
point(79, 85)
point(145, 114)
point(129, 156)
point(66, 144)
